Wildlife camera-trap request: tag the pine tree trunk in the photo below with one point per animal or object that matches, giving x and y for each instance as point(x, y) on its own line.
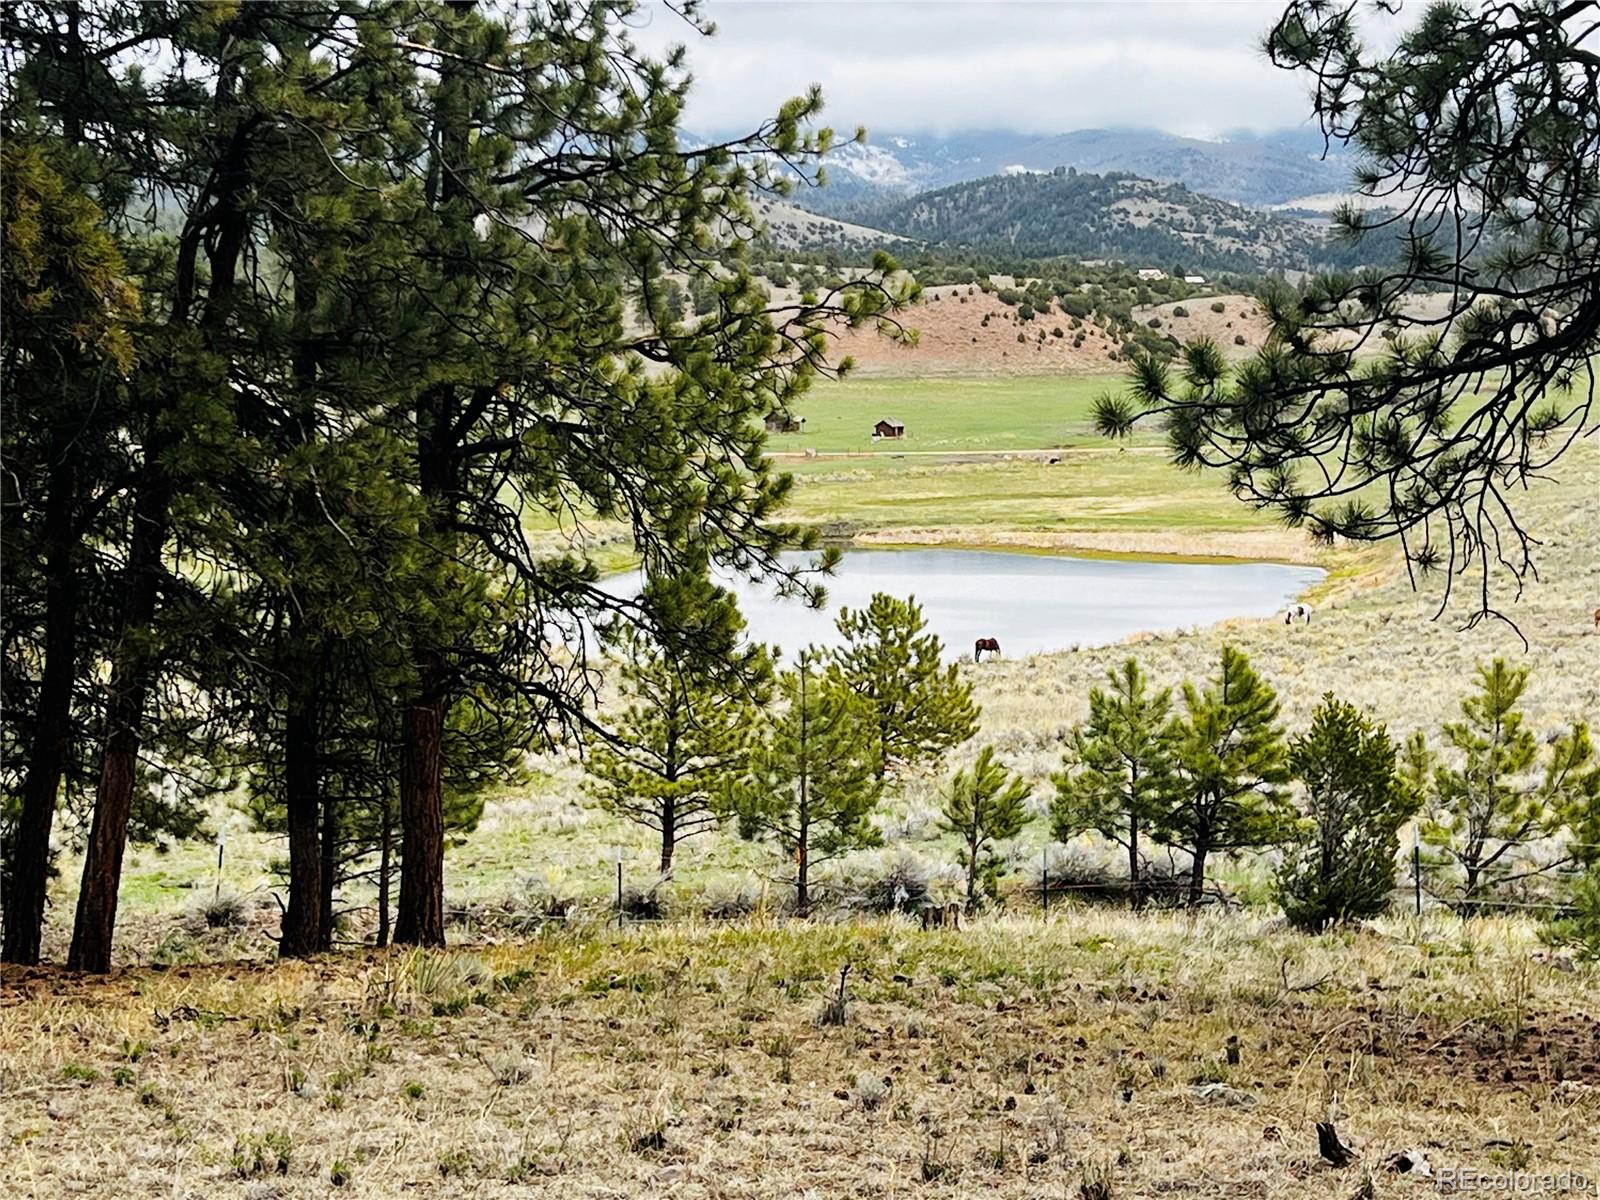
point(1135, 889)
point(669, 834)
point(28, 861)
point(95, 924)
point(300, 797)
point(1197, 872)
point(385, 859)
point(134, 660)
point(331, 839)
point(420, 919)
point(802, 888)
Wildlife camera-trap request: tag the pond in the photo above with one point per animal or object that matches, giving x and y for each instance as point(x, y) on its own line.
point(1029, 602)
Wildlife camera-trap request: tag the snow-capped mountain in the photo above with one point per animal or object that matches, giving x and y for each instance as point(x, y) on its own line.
point(1255, 169)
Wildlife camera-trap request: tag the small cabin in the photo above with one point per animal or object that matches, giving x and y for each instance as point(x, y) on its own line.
point(889, 429)
point(1152, 273)
point(1200, 279)
point(784, 423)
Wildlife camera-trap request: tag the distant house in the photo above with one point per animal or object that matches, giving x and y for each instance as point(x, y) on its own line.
point(1152, 273)
point(784, 423)
point(889, 429)
point(1194, 278)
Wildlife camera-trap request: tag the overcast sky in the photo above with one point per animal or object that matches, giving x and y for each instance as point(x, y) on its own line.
point(1187, 66)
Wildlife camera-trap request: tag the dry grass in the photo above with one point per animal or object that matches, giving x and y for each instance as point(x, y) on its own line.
point(1016, 1058)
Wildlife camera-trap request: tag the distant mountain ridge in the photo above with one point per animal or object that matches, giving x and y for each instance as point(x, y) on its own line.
point(1112, 216)
point(1252, 169)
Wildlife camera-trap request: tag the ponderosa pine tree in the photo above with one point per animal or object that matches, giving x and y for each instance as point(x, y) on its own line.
point(180, 135)
point(984, 805)
point(920, 708)
point(554, 198)
point(1117, 777)
point(682, 741)
point(1230, 761)
point(1491, 797)
point(1340, 865)
point(65, 346)
point(811, 786)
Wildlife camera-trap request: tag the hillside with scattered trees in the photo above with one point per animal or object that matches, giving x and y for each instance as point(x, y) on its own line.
point(1113, 216)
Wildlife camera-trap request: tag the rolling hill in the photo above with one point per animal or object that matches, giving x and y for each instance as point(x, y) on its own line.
point(1113, 216)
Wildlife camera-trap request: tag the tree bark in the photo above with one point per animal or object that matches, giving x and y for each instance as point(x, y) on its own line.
point(134, 664)
point(28, 866)
point(669, 834)
point(385, 854)
point(1135, 892)
point(420, 919)
point(300, 794)
point(330, 872)
point(802, 888)
point(1197, 872)
point(973, 842)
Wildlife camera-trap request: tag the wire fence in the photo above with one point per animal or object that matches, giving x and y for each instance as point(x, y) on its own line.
point(1165, 888)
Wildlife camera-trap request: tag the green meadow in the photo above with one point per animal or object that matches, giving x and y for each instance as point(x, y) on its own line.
point(948, 413)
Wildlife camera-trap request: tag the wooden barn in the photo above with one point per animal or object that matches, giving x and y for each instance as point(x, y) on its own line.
point(889, 429)
point(784, 423)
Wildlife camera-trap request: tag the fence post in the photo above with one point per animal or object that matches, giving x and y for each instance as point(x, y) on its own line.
point(222, 840)
point(619, 891)
point(1416, 867)
point(1044, 882)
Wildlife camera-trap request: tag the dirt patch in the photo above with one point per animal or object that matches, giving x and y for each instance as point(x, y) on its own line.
point(961, 330)
point(1239, 329)
point(1263, 545)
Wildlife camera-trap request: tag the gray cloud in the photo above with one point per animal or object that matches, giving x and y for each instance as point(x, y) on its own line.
point(1187, 66)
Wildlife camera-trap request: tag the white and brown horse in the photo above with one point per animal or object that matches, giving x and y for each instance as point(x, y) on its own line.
point(1297, 612)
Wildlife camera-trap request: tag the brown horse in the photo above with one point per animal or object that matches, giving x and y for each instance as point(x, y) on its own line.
point(1597, 618)
point(990, 644)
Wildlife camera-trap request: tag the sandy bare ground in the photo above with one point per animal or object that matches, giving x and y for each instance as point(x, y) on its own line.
point(953, 339)
point(1261, 545)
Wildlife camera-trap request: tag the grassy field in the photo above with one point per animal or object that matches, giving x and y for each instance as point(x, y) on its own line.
point(1100, 497)
point(1080, 1056)
point(949, 414)
point(995, 462)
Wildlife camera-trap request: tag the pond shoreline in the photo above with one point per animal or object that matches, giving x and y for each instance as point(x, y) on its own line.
point(1068, 551)
point(1035, 602)
point(1280, 547)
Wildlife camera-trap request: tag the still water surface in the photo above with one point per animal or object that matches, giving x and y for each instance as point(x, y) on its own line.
point(1030, 602)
